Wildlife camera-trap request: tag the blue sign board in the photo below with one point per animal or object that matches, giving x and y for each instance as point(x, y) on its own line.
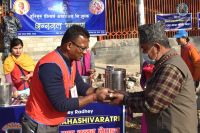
point(10, 118)
point(95, 118)
point(175, 21)
point(53, 17)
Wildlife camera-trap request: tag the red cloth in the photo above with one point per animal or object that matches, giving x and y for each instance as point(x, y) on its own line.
point(15, 76)
point(148, 70)
point(84, 66)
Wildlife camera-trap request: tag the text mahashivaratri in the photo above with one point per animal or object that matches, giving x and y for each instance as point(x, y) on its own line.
point(91, 120)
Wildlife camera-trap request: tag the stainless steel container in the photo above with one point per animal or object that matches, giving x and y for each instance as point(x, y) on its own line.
point(5, 94)
point(115, 78)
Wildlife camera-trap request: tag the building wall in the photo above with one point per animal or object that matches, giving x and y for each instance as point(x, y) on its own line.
point(123, 53)
point(39, 46)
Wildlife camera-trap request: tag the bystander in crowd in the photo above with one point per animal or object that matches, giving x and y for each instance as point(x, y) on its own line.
point(10, 26)
point(147, 70)
point(190, 54)
point(18, 68)
point(86, 65)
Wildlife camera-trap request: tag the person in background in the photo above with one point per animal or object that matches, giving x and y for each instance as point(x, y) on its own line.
point(190, 54)
point(10, 26)
point(86, 65)
point(18, 68)
point(57, 85)
point(147, 70)
point(168, 102)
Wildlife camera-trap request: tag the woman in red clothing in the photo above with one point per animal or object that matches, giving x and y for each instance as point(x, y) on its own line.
point(18, 68)
point(190, 54)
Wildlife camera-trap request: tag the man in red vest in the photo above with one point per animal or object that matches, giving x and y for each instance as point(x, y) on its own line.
point(56, 85)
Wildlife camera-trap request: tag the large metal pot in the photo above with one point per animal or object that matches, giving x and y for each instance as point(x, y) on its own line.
point(5, 94)
point(115, 78)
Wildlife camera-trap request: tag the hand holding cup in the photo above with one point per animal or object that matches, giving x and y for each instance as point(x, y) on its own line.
point(102, 94)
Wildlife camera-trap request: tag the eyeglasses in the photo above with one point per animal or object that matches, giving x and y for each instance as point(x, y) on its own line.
point(81, 48)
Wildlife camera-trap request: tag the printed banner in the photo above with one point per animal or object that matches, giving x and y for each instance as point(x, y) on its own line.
point(95, 118)
point(175, 21)
point(10, 118)
point(53, 17)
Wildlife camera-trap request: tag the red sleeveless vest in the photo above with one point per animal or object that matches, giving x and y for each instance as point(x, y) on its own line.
point(38, 106)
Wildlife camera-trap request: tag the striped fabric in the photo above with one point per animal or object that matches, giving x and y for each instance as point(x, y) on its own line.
point(159, 93)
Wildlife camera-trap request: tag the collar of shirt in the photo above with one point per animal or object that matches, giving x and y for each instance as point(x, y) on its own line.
point(67, 61)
